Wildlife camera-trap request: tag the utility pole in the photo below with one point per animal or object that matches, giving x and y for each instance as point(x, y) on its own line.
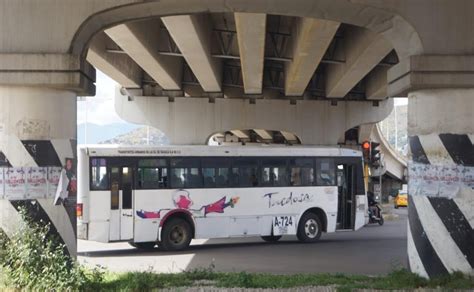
point(85, 124)
point(396, 129)
point(147, 135)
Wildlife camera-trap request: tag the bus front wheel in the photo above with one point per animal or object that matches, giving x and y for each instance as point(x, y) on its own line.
point(176, 234)
point(143, 245)
point(310, 228)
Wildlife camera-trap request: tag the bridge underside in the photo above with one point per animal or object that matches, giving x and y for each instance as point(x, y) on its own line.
point(245, 55)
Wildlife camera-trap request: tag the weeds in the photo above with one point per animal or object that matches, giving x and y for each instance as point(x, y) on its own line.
point(399, 279)
point(34, 260)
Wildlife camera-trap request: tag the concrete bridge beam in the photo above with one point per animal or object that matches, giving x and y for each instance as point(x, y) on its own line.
point(120, 68)
point(140, 40)
point(312, 38)
point(376, 83)
point(61, 71)
point(251, 30)
point(191, 121)
point(192, 35)
point(364, 50)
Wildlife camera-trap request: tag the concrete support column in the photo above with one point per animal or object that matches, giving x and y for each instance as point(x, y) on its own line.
point(441, 181)
point(38, 156)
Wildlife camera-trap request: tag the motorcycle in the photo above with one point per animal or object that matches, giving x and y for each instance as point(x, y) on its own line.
point(375, 214)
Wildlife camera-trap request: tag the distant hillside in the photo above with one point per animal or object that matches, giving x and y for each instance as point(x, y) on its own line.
point(139, 136)
point(97, 133)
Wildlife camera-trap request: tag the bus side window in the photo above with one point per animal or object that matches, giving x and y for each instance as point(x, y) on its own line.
point(302, 172)
point(325, 172)
point(234, 177)
point(215, 172)
point(185, 173)
point(177, 175)
point(274, 172)
point(99, 174)
point(152, 174)
point(248, 175)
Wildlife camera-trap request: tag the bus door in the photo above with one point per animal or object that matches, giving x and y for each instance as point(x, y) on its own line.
point(351, 204)
point(345, 183)
point(121, 207)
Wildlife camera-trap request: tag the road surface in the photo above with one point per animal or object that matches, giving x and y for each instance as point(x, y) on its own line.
point(372, 250)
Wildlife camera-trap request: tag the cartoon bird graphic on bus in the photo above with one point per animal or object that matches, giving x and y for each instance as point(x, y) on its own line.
point(182, 200)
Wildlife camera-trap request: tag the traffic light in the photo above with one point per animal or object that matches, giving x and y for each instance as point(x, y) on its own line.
point(375, 154)
point(366, 151)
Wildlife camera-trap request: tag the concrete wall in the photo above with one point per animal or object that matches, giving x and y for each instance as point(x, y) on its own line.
point(193, 120)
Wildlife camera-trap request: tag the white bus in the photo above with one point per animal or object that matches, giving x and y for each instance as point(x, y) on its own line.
point(167, 196)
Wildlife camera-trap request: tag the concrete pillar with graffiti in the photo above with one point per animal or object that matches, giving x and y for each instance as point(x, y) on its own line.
point(441, 168)
point(38, 137)
point(37, 160)
point(441, 181)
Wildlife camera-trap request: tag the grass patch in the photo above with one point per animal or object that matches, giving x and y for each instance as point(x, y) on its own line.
point(400, 279)
point(33, 260)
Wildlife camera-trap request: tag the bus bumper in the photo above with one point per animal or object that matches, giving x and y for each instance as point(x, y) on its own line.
point(82, 230)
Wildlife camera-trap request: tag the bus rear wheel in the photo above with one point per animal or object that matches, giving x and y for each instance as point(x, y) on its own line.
point(271, 238)
point(143, 245)
point(176, 234)
point(309, 228)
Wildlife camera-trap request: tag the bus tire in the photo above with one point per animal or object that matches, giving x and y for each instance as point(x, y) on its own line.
point(271, 238)
point(381, 221)
point(176, 234)
point(309, 228)
point(143, 245)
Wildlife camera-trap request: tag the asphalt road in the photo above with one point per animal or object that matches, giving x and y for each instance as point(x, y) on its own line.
point(372, 250)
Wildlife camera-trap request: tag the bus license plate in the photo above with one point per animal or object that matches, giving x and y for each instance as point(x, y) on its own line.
point(284, 225)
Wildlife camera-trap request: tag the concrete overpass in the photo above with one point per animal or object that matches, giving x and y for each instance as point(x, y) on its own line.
point(319, 69)
point(394, 164)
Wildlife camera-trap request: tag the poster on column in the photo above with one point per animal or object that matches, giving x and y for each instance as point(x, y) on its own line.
point(449, 180)
point(430, 185)
point(446, 181)
point(468, 177)
point(2, 186)
point(36, 179)
point(54, 173)
point(15, 183)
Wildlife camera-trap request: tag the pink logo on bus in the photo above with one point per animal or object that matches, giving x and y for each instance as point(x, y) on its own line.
point(182, 200)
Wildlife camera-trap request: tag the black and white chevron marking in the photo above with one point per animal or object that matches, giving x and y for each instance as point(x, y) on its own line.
point(428, 256)
point(459, 147)
point(441, 206)
point(4, 161)
point(42, 153)
point(38, 214)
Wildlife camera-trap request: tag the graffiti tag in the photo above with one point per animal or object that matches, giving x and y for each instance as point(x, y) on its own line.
point(291, 199)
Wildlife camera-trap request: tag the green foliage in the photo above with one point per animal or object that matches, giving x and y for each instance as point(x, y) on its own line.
point(33, 259)
point(399, 279)
point(3, 244)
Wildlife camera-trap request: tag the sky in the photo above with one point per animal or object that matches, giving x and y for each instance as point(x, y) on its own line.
point(400, 101)
point(100, 109)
